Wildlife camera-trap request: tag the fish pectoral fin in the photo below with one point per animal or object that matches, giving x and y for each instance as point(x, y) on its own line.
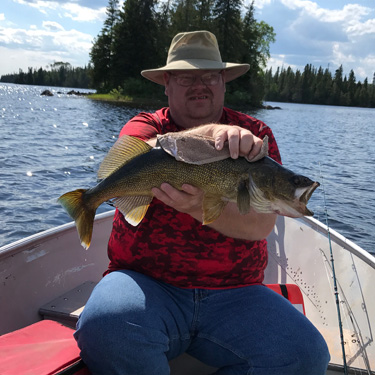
point(243, 197)
point(125, 149)
point(213, 206)
point(133, 208)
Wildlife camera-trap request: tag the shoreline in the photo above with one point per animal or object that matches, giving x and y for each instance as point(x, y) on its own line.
point(158, 103)
point(131, 102)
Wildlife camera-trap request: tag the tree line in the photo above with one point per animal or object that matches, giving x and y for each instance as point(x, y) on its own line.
point(60, 74)
point(137, 37)
point(318, 86)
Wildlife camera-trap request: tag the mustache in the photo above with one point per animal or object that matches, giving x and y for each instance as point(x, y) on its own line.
point(195, 92)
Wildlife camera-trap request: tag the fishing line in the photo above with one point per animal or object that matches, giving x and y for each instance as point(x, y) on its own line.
point(334, 276)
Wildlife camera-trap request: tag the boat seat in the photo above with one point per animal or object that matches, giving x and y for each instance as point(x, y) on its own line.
point(67, 307)
point(43, 348)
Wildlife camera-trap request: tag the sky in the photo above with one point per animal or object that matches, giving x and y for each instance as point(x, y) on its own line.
point(326, 33)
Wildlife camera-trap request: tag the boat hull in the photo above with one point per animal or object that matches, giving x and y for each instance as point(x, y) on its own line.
point(39, 268)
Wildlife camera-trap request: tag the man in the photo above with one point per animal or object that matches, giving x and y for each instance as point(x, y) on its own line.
point(174, 285)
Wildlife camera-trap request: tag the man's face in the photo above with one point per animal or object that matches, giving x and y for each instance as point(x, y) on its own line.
point(195, 97)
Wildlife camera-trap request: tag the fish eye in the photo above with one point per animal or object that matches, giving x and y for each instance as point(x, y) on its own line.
point(301, 181)
point(296, 180)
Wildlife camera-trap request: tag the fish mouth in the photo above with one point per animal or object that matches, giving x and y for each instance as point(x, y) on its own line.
point(285, 206)
point(306, 194)
point(303, 195)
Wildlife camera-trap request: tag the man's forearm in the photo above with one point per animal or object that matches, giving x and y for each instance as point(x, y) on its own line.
point(252, 227)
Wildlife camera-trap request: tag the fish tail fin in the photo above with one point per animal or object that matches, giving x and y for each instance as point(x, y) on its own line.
point(81, 212)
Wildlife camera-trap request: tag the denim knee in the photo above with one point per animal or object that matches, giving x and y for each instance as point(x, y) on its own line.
point(311, 356)
point(117, 334)
point(129, 347)
point(315, 356)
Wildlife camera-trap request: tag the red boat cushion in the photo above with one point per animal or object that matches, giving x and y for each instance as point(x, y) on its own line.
point(43, 348)
point(291, 292)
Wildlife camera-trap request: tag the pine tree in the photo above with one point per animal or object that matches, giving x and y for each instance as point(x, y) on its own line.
point(228, 28)
point(351, 88)
point(135, 40)
point(337, 87)
point(372, 93)
point(204, 8)
point(252, 46)
point(185, 16)
point(102, 51)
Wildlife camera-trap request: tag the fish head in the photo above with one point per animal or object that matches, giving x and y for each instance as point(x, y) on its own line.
point(292, 198)
point(279, 190)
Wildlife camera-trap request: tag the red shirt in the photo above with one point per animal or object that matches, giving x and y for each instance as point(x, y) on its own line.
point(174, 247)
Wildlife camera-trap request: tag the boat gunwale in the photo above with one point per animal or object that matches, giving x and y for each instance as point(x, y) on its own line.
point(33, 240)
point(342, 241)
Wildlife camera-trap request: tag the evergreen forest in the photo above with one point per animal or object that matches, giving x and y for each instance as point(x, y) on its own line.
point(318, 86)
point(137, 35)
point(60, 74)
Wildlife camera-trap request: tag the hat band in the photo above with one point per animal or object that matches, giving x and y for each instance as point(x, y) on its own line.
point(189, 64)
point(201, 53)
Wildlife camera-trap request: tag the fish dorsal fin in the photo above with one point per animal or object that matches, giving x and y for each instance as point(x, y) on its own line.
point(213, 206)
point(125, 149)
point(243, 197)
point(133, 208)
point(199, 149)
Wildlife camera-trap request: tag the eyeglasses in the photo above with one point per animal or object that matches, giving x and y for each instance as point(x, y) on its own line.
point(186, 80)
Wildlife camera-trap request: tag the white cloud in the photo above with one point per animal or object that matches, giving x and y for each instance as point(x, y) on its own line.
point(61, 30)
point(70, 9)
point(259, 3)
point(40, 5)
point(52, 26)
point(35, 47)
point(364, 28)
point(80, 13)
point(50, 29)
point(23, 59)
point(311, 32)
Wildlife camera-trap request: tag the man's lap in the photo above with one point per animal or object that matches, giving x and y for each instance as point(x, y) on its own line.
point(249, 328)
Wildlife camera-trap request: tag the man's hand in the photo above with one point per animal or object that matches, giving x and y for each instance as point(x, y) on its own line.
point(188, 200)
point(242, 142)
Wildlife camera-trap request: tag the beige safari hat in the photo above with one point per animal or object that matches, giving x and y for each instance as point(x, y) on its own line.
point(195, 50)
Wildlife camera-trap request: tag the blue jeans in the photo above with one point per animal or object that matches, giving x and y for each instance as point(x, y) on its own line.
point(133, 325)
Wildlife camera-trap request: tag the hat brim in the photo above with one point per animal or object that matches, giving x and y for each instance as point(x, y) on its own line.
point(232, 70)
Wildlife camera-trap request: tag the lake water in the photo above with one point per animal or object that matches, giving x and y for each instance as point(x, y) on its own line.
point(50, 145)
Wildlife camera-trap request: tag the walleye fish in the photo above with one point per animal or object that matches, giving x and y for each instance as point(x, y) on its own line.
point(132, 168)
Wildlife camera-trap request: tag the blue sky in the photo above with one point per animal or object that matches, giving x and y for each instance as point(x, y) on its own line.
point(327, 33)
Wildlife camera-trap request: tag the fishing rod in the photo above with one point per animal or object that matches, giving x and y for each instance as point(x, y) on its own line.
point(334, 277)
